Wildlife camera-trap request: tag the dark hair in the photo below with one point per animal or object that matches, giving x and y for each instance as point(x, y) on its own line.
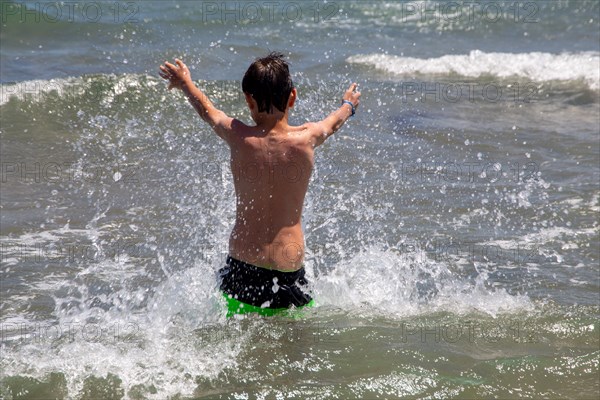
point(268, 81)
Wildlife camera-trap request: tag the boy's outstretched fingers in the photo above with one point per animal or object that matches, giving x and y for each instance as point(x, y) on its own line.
point(163, 72)
point(177, 75)
point(352, 95)
point(170, 66)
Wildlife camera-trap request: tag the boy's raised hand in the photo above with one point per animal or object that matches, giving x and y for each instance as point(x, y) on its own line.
point(352, 96)
point(177, 75)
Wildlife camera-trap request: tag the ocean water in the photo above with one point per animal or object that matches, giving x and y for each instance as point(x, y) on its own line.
point(452, 225)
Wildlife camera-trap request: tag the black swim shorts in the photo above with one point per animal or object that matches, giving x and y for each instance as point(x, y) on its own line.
point(261, 287)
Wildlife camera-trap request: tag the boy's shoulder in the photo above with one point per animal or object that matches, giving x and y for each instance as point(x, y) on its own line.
point(299, 135)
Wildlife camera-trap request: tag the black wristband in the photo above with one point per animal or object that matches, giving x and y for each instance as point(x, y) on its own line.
point(351, 105)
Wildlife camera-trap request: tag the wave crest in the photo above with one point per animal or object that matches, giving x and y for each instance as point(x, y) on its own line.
point(539, 67)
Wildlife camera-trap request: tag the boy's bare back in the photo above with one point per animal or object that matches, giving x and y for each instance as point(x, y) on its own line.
point(271, 171)
point(271, 164)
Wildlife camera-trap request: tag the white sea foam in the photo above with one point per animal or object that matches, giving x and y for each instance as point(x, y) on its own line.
point(181, 329)
point(74, 87)
point(387, 283)
point(536, 66)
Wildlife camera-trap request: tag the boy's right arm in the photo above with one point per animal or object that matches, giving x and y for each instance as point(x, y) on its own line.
point(335, 120)
point(179, 77)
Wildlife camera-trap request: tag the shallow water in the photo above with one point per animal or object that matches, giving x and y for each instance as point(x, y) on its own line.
point(451, 226)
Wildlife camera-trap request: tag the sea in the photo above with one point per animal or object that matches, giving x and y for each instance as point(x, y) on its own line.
point(452, 225)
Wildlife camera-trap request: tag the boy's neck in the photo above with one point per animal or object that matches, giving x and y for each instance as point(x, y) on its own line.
point(267, 121)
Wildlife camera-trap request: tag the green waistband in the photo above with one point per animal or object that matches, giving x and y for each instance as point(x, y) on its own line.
point(235, 306)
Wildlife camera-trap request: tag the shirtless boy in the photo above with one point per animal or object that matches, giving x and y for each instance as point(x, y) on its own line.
point(271, 165)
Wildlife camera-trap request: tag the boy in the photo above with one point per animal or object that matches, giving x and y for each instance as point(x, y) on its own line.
point(271, 166)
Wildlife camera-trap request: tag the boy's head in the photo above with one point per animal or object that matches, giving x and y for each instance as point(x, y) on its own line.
point(269, 83)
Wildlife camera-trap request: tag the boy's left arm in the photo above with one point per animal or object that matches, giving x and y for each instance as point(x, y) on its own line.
point(179, 77)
